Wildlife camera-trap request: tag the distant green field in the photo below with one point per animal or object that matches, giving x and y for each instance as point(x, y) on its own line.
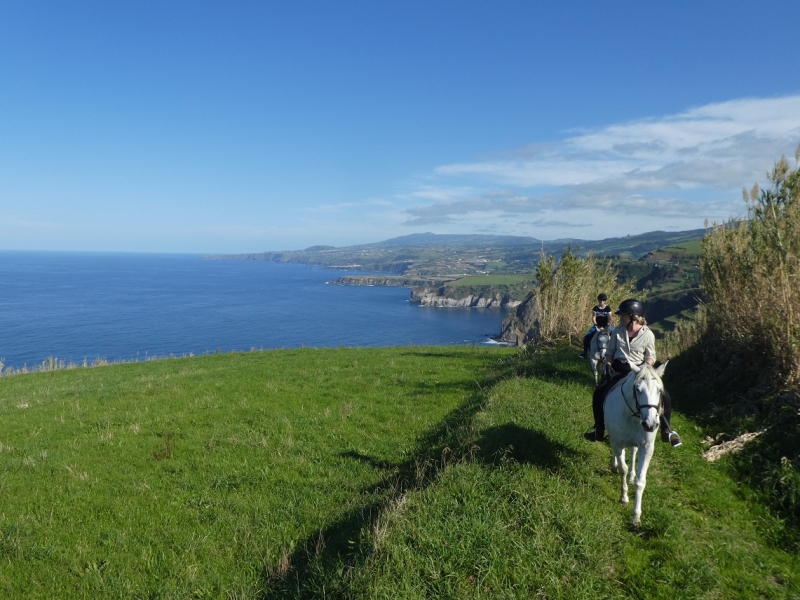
point(478, 280)
point(691, 247)
point(446, 472)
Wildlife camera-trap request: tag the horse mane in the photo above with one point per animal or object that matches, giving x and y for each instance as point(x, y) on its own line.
point(647, 371)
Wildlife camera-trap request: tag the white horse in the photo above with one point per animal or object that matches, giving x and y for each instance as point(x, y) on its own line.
point(632, 416)
point(597, 350)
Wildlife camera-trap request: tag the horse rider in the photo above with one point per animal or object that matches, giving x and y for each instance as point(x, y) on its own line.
point(601, 316)
point(631, 346)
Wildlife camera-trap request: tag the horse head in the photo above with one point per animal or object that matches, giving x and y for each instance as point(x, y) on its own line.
point(603, 337)
point(597, 350)
point(647, 391)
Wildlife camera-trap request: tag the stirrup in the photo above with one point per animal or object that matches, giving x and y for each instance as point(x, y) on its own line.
point(675, 440)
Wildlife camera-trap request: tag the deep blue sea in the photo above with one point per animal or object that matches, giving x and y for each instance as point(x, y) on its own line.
point(76, 306)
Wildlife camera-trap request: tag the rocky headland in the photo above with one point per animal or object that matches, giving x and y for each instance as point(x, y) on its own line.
point(518, 325)
point(444, 297)
point(389, 280)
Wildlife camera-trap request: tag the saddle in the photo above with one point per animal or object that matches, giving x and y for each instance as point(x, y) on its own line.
point(616, 381)
point(614, 375)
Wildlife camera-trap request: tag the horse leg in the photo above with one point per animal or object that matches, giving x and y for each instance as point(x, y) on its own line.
point(632, 470)
point(622, 468)
point(645, 454)
point(613, 464)
point(594, 370)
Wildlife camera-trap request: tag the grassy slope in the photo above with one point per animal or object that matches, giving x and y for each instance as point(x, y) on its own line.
point(194, 475)
point(412, 472)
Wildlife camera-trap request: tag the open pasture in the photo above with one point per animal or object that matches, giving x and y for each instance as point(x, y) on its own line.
point(398, 472)
point(193, 476)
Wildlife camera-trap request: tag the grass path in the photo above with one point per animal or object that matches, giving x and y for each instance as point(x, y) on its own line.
point(379, 473)
point(519, 506)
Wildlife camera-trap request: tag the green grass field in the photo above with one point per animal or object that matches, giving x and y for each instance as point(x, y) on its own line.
point(693, 247)
point(444, 472)
point(477, 280)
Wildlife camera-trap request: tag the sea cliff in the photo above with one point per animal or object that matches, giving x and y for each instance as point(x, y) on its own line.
point(442, 298)
point(388, 280)
point(519, 324)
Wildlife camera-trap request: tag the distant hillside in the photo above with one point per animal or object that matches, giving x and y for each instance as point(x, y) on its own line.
point(425, 255)
point(426, 240)
point(637, 245)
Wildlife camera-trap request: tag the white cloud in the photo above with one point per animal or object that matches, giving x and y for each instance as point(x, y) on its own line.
point(667, 173)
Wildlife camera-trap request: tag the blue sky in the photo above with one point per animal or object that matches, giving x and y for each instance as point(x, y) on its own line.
point(249, 126)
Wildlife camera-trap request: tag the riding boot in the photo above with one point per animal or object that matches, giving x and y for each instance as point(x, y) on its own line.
point(592, 436)
point(664, 429)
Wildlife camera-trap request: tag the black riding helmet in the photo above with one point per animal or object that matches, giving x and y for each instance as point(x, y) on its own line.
point(631, 306)
point(602, 297)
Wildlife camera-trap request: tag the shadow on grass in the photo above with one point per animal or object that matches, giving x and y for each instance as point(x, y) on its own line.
point(551, 368)
point(381, 465)
point(322, 564)
point(523, 446)
point(497, 445)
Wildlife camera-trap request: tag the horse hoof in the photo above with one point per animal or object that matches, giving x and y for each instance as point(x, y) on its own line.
point(624, 501)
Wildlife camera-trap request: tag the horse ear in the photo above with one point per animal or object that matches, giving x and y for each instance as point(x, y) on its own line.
point(660, 369)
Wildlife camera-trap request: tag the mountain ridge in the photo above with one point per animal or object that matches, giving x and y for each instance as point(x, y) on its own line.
point(424, 255)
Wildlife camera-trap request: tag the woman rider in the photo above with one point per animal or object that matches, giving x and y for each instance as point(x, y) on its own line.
point(631, 346)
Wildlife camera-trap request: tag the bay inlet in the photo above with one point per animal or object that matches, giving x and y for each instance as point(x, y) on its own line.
point(79, 307)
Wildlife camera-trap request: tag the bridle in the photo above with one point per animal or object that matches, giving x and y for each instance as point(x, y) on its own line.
point(639, 406)
point(602, 342)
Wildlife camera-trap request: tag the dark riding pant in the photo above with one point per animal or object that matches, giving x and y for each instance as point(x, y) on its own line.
point(587, 339)
point(666, 415)
point(620, 369)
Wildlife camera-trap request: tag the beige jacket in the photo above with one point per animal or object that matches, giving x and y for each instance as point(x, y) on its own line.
point(635, 351)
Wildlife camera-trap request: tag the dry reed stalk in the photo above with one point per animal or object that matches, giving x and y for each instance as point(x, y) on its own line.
point(751, 273)
point(567, 291)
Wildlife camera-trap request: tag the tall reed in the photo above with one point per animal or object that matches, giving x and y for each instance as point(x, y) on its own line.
point(567, 291)
point(751, 275)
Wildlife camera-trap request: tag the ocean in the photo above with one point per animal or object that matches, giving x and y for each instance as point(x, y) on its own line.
point(77, 307)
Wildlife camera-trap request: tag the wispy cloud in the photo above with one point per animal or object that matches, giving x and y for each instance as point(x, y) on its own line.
point(669, 173)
